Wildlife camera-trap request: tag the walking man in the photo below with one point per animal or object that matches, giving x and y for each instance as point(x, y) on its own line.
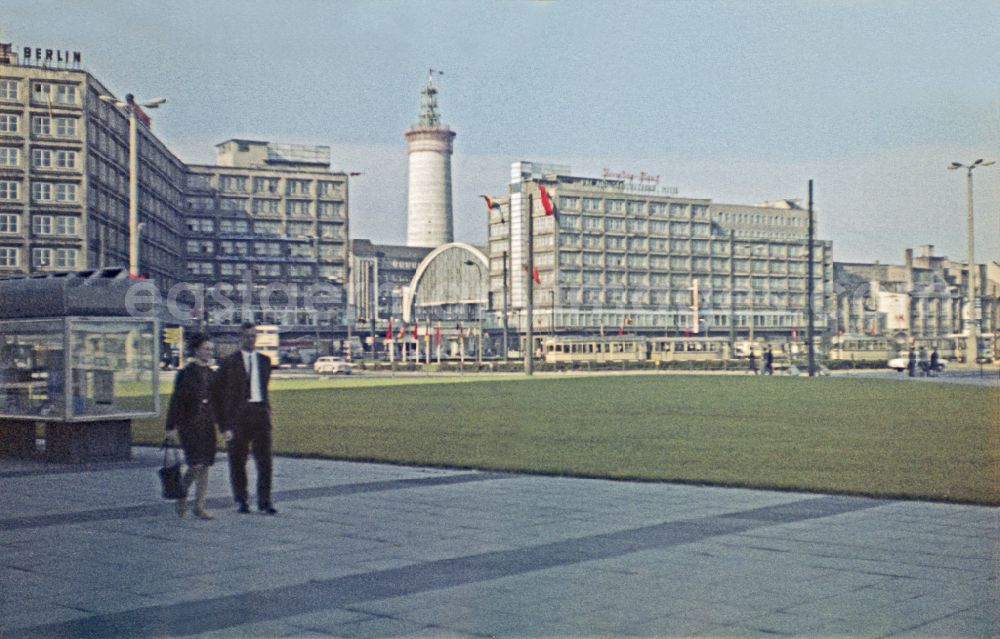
point(244, 415)
point(769, 361)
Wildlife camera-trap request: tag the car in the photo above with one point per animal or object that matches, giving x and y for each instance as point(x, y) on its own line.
point(332, 366)
point(902, 363)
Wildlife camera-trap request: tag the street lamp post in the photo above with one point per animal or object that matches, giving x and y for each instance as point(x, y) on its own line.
point(972, 337)
point(130, 107)
point(479, 270)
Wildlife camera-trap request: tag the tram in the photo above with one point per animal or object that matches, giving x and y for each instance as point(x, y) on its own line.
point(688, 349)
point(862, 348)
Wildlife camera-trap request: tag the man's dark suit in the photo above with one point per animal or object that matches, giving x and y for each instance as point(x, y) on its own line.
point(249, 422)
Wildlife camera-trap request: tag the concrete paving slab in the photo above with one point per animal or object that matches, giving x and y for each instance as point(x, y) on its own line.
point(364, 550)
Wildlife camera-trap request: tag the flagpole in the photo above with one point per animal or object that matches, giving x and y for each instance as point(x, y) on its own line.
point(529, 307)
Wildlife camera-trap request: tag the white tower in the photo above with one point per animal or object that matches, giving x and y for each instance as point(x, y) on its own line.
point(428, 204)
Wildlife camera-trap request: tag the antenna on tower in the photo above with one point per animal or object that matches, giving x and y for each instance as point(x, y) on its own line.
point(429, 116)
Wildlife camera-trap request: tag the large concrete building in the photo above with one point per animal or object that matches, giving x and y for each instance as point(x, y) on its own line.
point(64, 175)
point(924, 297)
point(266, 216)
point(429, 143)
point(617, 252)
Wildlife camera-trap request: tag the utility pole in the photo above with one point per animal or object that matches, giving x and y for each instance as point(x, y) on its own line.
point(811, 286)
point(732, 289)
point(529, 348)
point(506, 339)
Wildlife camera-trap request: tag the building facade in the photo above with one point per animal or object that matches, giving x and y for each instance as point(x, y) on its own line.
point(269, 222)
point(379, 275)
point(64, 177)
point(924, 297)
point(614, 254)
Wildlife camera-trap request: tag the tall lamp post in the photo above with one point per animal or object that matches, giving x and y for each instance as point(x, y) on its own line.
point(479, 270)
point(131, 108)
point(972, 339)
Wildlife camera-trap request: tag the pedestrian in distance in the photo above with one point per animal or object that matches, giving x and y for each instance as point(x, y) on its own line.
point(753, 363)
point(911, 363)
point(935, 360)
point(922, 361)
point(191, 421)
point(241, 400)
point(769, 361)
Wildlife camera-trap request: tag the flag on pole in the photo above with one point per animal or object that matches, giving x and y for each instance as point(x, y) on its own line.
point(491, 204)
point(437, 335)
point(388, 331)
point(416, 334)
point(402, 331)
point(546, 200)
point(621, 330)
point(534, 273)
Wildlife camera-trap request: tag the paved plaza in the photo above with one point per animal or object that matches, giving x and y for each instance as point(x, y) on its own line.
point(371, 550)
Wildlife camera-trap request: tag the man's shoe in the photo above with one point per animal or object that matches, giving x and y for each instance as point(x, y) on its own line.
point(268, 509)
point(243, 509)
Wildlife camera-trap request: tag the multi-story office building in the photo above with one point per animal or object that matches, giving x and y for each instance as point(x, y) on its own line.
point(271, 219)
point(64, 175)
point(924, 297)
point(379, 273)
point(617, 253)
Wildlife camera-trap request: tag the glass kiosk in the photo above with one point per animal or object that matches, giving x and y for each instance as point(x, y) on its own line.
point(84, 377)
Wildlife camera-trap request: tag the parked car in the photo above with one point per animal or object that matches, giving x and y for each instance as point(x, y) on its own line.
point(332, 366)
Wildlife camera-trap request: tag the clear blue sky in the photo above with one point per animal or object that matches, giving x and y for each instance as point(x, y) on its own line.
point(737, 101)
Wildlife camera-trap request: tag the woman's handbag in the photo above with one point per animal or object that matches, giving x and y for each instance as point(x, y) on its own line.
point(170, 474)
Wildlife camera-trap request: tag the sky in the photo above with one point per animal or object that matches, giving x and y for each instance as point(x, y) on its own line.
point(737, 101)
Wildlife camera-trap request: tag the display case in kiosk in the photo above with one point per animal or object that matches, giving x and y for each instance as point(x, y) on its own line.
point(77, 356)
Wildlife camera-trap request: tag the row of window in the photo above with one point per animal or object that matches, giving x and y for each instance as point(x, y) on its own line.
point(59, 258)
point(260, 206)
point(60, 126)
point(293, 186)
point(680, 298)
point(63, 159)
point(41, 224)
point(237, 269)
point(762, 219)
point(40, 191)
point(633, 207)
point(41, 92)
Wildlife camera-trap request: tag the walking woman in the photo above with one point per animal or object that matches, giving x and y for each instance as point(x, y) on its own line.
point(191, 421)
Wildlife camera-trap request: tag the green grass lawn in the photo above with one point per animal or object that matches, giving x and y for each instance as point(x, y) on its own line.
point(887, 438)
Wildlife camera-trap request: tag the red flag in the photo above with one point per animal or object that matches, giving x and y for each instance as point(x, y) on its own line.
point(546, 200)
point(437, 335)
point(621, 330)
point(490, 204)
point(534, 273)
point(388, 331)
point(416, 335)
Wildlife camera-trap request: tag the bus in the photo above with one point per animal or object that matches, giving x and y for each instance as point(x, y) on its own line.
point(268, 340)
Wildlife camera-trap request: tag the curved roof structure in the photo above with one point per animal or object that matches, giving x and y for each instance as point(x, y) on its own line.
point(450, 279)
